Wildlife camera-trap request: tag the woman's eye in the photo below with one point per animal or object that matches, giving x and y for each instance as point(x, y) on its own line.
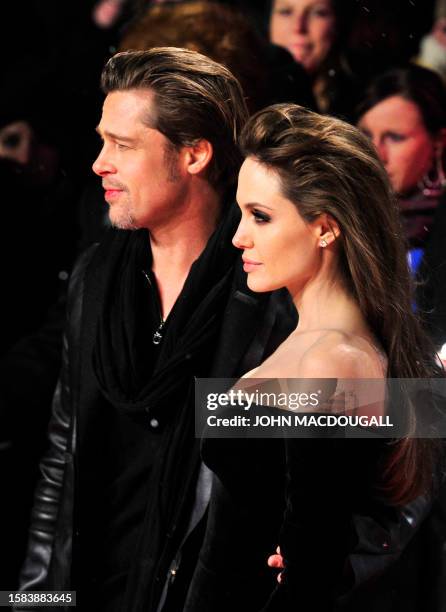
point(321, 12)
point(284, 12)
point(260, 217)
point(394, 137)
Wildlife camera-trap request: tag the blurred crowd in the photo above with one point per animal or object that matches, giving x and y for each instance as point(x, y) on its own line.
point(380, 64)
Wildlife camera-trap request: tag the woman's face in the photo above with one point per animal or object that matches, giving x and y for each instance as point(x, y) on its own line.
point(402, 141)
point(306, 28)
point(279, 248)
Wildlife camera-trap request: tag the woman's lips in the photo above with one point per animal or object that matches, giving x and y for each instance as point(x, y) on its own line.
point(249, 265)
point(299, 49)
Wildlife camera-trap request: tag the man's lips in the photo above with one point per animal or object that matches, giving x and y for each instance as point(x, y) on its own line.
point(249, 265)
point(111, 192)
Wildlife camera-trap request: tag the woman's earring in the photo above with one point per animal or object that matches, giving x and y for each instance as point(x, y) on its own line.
point(433, 186)
point(323, 243)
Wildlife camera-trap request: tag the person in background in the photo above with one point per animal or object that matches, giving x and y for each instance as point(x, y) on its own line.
point(316, 32)
point(433, 45)
point(404, 114)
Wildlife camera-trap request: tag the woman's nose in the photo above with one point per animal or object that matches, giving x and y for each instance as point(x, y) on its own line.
point(241, 240)
point(300, 23)
point(382, 151)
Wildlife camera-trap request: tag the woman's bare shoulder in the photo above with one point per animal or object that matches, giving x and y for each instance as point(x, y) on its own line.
point(323, 354)
point(336, 354)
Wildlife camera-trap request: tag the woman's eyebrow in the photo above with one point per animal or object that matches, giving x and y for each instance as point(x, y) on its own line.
point(254, 205)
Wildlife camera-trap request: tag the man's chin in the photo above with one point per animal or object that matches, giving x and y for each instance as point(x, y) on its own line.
point(121, 221)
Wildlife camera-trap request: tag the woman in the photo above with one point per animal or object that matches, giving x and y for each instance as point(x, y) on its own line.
point(313, 31)
point(404, 113)
point(319, 218)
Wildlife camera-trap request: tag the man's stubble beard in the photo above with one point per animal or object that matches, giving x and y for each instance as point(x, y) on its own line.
point(124, 218)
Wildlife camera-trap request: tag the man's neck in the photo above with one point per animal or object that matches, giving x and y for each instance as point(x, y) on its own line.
point(177, 244)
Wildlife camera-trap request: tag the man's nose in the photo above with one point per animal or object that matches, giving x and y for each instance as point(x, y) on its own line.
point(102, 165)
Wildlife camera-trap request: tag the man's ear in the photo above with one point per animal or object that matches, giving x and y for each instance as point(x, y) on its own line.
point(326, 229)
point(198, 156)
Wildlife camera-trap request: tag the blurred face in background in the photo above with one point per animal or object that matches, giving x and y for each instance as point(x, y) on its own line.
point(402, 141)
point(306, 28)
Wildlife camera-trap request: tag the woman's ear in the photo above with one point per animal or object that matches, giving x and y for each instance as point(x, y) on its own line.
point(198, 156)
point(326, 229)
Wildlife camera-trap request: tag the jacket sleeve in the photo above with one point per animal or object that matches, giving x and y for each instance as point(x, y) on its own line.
point(47, 562)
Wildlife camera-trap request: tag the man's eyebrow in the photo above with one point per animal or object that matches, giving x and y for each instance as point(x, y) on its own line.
point(114, 136)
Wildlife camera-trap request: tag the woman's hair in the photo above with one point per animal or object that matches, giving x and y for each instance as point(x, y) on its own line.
point(344, 12)
point(328, 166)
point(419, 85)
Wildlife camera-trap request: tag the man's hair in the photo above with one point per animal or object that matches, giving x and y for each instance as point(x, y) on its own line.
point(194, 98)
point(219, 31)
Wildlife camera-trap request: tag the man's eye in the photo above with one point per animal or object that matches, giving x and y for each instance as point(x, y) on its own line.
point(260, 217)
point(121, 147)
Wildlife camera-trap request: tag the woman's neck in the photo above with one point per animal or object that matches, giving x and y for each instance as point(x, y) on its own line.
point(326, 304)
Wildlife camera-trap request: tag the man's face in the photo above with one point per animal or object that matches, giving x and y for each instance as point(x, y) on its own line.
point(140, 171)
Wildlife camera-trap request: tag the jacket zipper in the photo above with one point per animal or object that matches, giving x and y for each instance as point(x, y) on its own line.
point(157, 336)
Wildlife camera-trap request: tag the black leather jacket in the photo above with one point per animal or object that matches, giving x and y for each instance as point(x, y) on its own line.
point(251, 329)
point(47, 565)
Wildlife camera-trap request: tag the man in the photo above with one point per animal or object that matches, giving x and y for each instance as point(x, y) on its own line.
point(162, 299)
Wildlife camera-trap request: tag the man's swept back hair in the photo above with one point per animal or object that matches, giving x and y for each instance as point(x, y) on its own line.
point(195, 98)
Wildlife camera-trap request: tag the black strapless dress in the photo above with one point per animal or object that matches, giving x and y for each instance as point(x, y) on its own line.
point(306, 495)
point(244, 519)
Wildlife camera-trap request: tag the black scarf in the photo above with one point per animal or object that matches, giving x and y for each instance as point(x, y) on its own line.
point(167, 394)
